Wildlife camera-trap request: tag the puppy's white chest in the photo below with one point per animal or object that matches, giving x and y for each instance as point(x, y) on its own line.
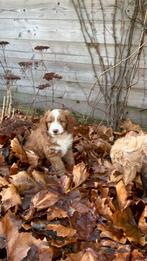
point(64, 141)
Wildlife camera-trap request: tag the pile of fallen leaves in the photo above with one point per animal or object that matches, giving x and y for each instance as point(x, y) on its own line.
point(86, 215)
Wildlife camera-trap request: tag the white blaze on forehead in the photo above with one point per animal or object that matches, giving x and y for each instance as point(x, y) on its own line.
point(55, 113)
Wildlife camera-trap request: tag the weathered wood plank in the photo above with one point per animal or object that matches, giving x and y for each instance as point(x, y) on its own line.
point(80, 91)
point(61, 56)
point(71, 74)
point(77, 68)
point(56, 13)
point(26, 85)
point(53, 30)
point(26, 47)
point(43, 100)
point(48, 3)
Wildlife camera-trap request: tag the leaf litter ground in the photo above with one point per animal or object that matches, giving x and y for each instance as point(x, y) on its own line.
point(86, 215)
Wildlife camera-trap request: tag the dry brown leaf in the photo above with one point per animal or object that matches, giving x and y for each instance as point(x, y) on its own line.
point(103, 146)
point(3, 139)
point(10, 197)
point(44, 199)
point(62, 243)
point(4, 169)
point(125, 220)
point(74, 257)
point(24, 183)
point(122, 194)
point(79, 207)
point(89, 255)
point(123, 253)
point(33, 159)
point(18, 244)
point(15, 126)
point(62, 230)
point(136, 255)
point(65, 183)
point(35, 253)
point(112, 233)
point(45, 253)
point(14, 169)
point(104, 207)
point(128, 125)
point(80, 174)
point(18, 150)
point(39, 178)
point(86, 225)
point(86, 255)
point(143, 221)
point(56, 212)
point(97, 131)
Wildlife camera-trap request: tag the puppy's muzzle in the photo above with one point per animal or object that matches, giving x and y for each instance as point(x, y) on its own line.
point(55, 131)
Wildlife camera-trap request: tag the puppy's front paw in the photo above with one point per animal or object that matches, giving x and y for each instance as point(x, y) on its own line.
point(53, 150)
point(56, 149)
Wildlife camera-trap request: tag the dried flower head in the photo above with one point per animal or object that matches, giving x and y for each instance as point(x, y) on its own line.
point(11, 77)
point(43, 86)
point(3, 43)
point(41, 47)
point(28, 65)
point(50, 76)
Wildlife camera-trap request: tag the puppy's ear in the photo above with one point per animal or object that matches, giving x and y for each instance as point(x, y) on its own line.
point(43, 120)
point(71, 121)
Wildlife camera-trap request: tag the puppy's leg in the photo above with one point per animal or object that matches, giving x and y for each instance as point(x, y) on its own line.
point(69, 160)
point(58, 164)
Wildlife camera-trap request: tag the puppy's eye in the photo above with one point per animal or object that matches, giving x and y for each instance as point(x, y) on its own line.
point(62, 121)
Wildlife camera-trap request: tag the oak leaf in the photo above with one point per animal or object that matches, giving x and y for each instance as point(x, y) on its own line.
point(18, 150)
point(10, 197)
point(24, 182)
point(80, 174)
point(56, 212)
point(44, 199)
point(109, 231)
point(62, 230)
point(122, 194)
point(125, 220)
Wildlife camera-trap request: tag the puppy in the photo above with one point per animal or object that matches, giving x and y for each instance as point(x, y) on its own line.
point(53, 139)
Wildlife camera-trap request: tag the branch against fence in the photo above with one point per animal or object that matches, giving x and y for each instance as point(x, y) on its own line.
point(114, 82)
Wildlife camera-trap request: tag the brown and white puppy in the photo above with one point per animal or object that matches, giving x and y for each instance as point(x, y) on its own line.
point(53, 139)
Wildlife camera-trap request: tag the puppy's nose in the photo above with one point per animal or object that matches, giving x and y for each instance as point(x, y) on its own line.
point(55, 131)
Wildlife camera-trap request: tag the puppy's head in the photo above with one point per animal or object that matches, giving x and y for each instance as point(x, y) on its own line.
point(58, 121)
